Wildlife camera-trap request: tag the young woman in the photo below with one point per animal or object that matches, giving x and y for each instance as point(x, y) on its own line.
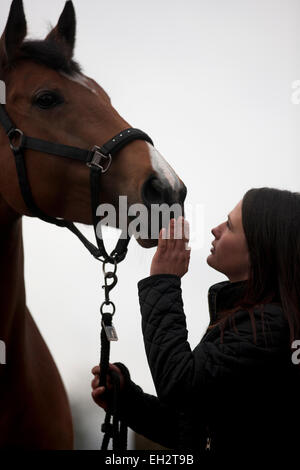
point(238, 391)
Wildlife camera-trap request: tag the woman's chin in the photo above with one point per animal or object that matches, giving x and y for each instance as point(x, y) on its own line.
point(209, 260)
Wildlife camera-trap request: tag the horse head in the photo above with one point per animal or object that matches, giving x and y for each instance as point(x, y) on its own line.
point(49, 98)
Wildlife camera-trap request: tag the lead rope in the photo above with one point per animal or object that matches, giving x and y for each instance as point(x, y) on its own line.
point(116, 430)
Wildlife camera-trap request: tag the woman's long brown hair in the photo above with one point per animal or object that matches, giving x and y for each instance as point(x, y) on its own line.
point(271, 222)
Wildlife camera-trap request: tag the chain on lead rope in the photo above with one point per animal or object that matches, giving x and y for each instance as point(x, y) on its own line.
point(106, 322)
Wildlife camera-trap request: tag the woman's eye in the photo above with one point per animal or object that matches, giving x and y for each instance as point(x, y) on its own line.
point(47, 100)
point(227, 223)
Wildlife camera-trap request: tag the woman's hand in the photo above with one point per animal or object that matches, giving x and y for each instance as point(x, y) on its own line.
point(98, 394)
point(172, 255)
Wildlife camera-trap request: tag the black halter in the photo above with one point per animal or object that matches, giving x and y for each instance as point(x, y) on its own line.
point(98, 159)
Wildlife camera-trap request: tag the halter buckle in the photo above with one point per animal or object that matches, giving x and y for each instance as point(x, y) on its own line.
point(96, 158)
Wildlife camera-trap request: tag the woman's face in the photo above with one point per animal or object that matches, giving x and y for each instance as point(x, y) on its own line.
point(229, 254)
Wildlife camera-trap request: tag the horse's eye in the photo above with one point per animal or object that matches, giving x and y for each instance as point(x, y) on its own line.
point(47, 100)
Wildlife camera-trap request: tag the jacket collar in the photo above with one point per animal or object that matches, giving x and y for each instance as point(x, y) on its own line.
point(224, 295)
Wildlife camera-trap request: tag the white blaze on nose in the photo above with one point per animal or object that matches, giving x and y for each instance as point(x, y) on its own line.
point(81, 80)
point(161, 167)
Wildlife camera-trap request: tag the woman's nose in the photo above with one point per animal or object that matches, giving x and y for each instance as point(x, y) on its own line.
point(216, 231)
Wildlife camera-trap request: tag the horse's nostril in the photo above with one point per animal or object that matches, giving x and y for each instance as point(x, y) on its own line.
point(156, 191)
point(183, 191)
point(153, 191)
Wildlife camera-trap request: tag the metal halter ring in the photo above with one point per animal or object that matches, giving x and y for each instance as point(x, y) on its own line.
point(107, 303)
point(11, 135)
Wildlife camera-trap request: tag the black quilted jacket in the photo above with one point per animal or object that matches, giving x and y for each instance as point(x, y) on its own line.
point(239, 396)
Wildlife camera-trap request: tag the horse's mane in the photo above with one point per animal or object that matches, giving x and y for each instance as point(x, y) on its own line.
point(47, 53)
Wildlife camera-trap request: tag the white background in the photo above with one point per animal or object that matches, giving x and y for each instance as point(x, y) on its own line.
point(211, 82)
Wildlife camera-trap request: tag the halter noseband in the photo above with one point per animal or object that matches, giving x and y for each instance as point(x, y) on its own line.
point(98, 159)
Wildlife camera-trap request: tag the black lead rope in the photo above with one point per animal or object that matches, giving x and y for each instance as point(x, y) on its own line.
point(116, 430)
point(98, 159)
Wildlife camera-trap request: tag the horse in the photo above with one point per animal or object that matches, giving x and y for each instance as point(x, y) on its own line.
point(49, 97)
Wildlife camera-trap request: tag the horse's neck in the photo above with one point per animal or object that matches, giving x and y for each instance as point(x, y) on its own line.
point(34, 409)
point(12, 289)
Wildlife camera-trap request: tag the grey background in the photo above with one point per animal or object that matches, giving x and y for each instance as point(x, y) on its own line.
point(211, 82)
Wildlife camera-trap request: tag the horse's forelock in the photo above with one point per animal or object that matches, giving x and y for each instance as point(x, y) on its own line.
point(47, 53)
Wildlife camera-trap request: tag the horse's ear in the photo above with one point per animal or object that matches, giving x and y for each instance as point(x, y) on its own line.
point(65, 30)
point(14, 32)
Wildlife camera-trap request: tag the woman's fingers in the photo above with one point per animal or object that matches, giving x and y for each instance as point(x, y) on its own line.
point(181, 234)
point(99, 398)
point(178, 229)
point(97, 392)
point(183, 229)
point(176, 236)
point(162, 242)
point(171, 233)
point(171, 229)
point(95, 382)
point(186, 230)
point(96, 370)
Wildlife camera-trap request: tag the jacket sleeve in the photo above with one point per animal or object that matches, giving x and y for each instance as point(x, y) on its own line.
point(180, 373)
point(145, 414)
